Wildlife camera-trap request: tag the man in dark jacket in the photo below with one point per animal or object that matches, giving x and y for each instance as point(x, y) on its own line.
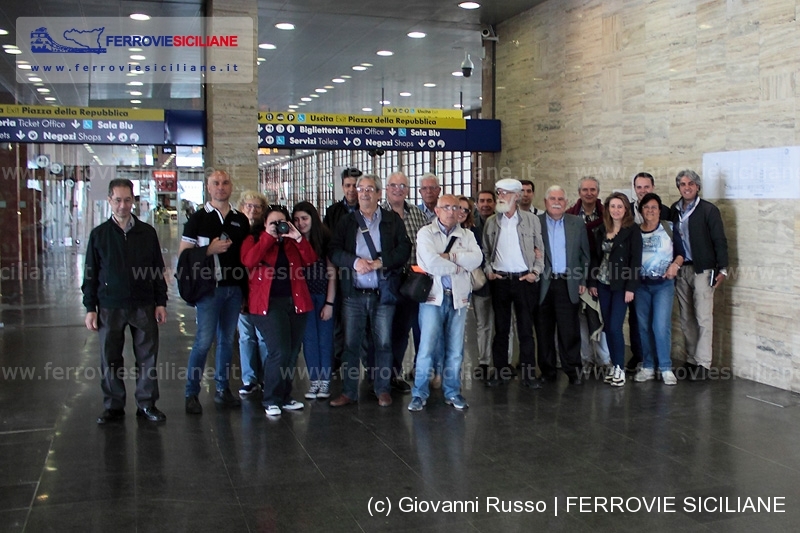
point(705, 267)
point(123, 285)
point(360, 278)
point(348, 204)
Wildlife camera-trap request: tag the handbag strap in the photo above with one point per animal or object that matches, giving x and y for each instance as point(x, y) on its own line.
point(362, 224)
point(450, 244)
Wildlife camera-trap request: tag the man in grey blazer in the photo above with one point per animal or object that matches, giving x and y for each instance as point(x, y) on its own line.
point(566, 263)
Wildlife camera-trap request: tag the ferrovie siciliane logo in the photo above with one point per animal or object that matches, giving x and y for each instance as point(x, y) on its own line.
point(82, 42)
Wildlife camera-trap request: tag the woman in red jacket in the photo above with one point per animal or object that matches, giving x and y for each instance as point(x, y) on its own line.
point(279, 301)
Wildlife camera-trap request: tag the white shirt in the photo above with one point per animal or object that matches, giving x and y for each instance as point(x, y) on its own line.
point(508, 255)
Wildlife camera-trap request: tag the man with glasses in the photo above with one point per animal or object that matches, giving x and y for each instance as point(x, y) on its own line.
point(349, 202)
point(429, 189)
point(360, 273)
point(512, 246)
point(406, 312)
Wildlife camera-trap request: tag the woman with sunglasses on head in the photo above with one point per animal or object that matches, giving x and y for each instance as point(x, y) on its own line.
point(321, 279)
point(279, 301)
point(615, 273)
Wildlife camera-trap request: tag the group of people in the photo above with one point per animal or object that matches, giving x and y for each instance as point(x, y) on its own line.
point(565, 278)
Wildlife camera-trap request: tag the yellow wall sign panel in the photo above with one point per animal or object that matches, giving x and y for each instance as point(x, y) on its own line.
point(328, 119)
point(112, 113)
point(421, 112)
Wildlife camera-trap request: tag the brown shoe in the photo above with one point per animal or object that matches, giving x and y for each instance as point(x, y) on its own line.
point(384, 399)
point(341, 401)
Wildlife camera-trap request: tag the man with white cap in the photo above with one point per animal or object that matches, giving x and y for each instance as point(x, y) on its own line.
point(512, 246)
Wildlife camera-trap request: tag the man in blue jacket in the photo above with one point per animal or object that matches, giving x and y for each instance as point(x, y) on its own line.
point(123, 286)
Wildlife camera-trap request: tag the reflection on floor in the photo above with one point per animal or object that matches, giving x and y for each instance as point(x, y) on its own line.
point(323, 469)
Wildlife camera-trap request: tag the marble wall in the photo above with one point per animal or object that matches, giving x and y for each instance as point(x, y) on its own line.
point(611, 88)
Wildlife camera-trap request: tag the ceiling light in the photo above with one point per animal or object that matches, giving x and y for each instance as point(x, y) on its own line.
point(429, 85)
point(347, 77)
point(267, 46)
point(284, 26)
point(305, 99)
point(302, 103)
point(384, 102)
point(261, 59)
point(293, 106)
point(314, 95)
point(138, 57)
point(24, 67)
point(134, 83)
point(416, 34)
point(135, 93)
point(38, 84)
point(3, 32)
point(385, 53)
point(7, 46)
point(359, 67)
point(136, 101)
point(43, 90)
point(135, 50)
point(469, 5)
point(338, 80)
point(50, 98)
point(320, 90)
point(405, 93)
point(34, 78)
point(366, 109)
point(458, 73)
point(134, 73)
point(366, 65)
point(140, 16)
point(329, 87)
point(458, 106)
point(14, 51)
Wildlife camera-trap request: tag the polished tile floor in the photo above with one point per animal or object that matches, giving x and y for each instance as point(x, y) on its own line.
point(325, 469)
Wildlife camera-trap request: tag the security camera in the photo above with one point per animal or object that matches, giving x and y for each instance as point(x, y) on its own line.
point(488, 33)
point(467, 66)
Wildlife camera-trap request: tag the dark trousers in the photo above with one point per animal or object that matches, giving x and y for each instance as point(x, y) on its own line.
point(406, 318)
point(636, 342)
point(144, 331)
point(283, 331)
point(557, 314)
point(524, 296)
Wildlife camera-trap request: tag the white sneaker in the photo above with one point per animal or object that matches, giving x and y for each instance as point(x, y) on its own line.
point(324, 389)
point(609, 374)
point(668, 377)
point(293, 406)
point(312, 391)
point(618, 380)
point(644, 374)
point(272, 410)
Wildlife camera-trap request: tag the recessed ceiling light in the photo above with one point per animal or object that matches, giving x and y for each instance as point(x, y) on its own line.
point(366, 65)
point(22, 62)
point(138, 57)
point(384, 102)
point(314, 95)
point(302, 103)
point(338, 80)
point(385, 53)
point(43, 90)
point(136, 101)
point(458, 106)
point(24, 67)
point(347, 77)
point(14, 51)
point(3, 32)
point(140, 16)
point(320, 90)
point(469, 5)
point(405, 93)
point(293, 106)
point(261, 59)
point(50, 98)
point(359, 67)
point(416, 34)
point(284, 26)
point(135, 49)
point(267, 46)
point(366, 109)
point(7, 46)
point(34, 79)
point(135, 93)
point(429, 85)
point(305, 99)
point(38, 84)
point(135, 83)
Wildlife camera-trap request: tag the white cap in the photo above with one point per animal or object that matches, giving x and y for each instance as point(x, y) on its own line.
point(509, 184)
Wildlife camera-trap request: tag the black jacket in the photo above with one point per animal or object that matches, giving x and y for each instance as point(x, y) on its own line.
point(335, 213)
point(123, 271)
point(706, 236)
point(624, 261)
point(395, 246)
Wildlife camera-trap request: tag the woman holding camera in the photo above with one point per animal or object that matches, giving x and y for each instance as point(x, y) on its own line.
point(279, 301)
point(615, 273)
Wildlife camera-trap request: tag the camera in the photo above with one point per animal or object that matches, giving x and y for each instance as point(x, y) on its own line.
point(488, 33)
point(467, 66)
point(282, 227)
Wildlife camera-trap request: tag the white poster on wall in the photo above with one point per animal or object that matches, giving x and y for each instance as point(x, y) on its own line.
point(752, 174)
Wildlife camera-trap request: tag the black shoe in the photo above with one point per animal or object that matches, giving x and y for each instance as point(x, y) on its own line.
point(193, 406)
point(531, 383)
point(226, 398)
point(400, 386)
point(700, 373)
point(111, 415)
point(575, 380)
point(482, 372)
point(151, 413)
point(548, 379)
point(497, 382)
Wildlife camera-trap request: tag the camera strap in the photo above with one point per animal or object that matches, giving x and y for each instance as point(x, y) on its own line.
point(362, 224)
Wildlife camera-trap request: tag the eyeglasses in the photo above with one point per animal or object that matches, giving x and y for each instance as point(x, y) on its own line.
point(464, 210)
point(428, 188)
point(398, 186)
point(503, 192)
point(368, 190)
point(449, 207)
point(253, 206)
point(650, 207)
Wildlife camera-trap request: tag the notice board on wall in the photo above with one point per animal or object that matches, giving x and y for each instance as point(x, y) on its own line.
point(752, 174)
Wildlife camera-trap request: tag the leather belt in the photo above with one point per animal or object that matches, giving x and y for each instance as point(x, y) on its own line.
point(510, 275)
point(365, 291)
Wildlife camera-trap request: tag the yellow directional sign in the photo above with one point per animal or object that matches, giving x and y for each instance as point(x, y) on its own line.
point(62, 112)
point(422, 112)
point(327, 119)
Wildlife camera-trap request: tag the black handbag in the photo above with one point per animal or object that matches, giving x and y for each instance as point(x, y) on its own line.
point(418, 285)
point(388, 280)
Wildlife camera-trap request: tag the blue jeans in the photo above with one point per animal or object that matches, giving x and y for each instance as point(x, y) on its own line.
point(654, 311)
point(440, 325)
point(318, 342)
point(252, 350)
point(363, 314)
point(613, 309)
point(217, 315)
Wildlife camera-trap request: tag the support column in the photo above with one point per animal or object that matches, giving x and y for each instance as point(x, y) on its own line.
point(489, 170)
point(232, 111)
